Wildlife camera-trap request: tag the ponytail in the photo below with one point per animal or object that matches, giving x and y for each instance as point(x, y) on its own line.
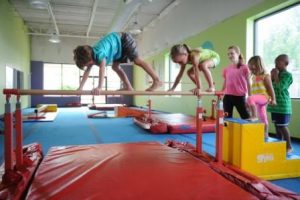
point(241, 61)
point(241, 57)
point(187, 48)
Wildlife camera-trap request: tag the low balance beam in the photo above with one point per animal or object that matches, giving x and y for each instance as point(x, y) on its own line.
point(40, 109)
point(104, 92)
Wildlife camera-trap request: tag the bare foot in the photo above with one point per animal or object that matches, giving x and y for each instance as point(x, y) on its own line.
point(289, 150)
point(155, 85)
point(252, 119)
point(211, 89)
point(266, 136)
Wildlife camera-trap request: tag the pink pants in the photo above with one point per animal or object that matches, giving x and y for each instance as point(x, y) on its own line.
point(261, 102)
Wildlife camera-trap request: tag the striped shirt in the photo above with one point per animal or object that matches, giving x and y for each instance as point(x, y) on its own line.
point(258, 85)
point(284, 105)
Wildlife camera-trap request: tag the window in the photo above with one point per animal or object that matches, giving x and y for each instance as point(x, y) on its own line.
point(60, 77)
point(70, 77)
point(9, 83)
point(111, 82)
point(279, 33)
point(172, 70)
point(13, 78)
point(67, 77)
point(52, 77)
point(91, 82)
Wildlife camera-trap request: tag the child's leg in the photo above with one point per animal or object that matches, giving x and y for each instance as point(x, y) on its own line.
point(286, 136)
point(228, 104)
point(279, 134)
point(262, 110)
point(240, 104)
point(116, 67)
point(282, 130)
point(274, 119)
point(191, 74)
point(156, 81)
point(266, 130)
point(251, 101)
point(205, 67)
point(261, 104)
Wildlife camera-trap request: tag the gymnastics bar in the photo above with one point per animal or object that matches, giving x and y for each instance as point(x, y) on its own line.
point(104, 92)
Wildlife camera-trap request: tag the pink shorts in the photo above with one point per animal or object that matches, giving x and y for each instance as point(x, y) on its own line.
point(261, 102)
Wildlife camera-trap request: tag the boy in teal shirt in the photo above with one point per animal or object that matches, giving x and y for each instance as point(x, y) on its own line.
point(281, 113)
point(114, 48)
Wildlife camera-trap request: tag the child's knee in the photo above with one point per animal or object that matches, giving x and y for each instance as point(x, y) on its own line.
point(250, 101)
point(264, 119)
point(203, 66)
point(116, 67)
point(190, 71)
point(206, 65)
point(138, 61)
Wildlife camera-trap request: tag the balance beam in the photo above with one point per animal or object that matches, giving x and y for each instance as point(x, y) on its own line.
point(105, 92)
point(40, 109)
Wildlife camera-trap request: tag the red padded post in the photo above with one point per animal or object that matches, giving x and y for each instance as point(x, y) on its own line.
point(199, 123)
point(8, 136)
point(149, 108)
point(219, 130)
point(213, 109)
point(19, 134)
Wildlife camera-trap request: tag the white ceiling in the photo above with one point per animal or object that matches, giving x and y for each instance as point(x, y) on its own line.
point(90, 18)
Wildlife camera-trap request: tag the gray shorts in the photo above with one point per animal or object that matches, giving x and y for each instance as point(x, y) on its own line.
point(129, 48)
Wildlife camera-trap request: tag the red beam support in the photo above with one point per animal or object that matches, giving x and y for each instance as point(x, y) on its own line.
point(213, 109)
point(19, 134)
point(149, 109)
point(199, 122)
point(219, 130)
point(8, 136)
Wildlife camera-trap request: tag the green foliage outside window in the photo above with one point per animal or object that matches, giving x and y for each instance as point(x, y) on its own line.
point(279, 33)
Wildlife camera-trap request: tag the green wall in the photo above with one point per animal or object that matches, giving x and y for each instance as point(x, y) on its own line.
point(14, 48)
point(236, 30)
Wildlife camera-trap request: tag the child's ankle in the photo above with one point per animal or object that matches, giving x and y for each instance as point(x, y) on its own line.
point(266, 136)
point(211, 89)
point(252, 119)
point(289, 150)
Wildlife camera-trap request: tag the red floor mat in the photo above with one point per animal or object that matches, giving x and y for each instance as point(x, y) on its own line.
point(129, 171)
point(181, 123)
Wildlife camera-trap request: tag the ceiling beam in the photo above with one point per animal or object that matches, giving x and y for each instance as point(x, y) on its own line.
point(65, 35)
point(125, 12)
point(94, 9)
point(162, 14)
